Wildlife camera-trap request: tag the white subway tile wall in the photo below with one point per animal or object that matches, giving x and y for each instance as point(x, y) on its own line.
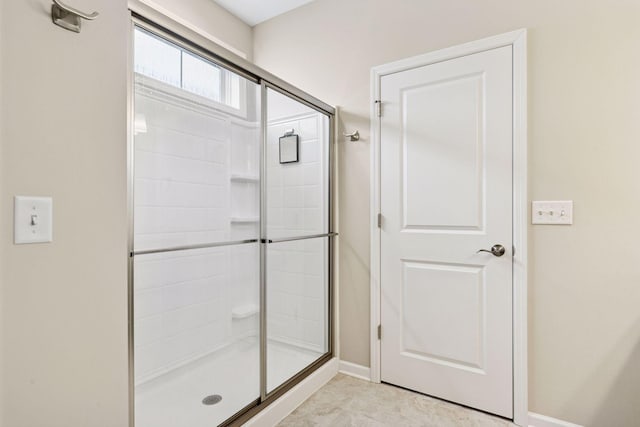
point(185, 194)
point(179, 311)
point(297, 289)
point(197, 181)
point(297, 192)
point(297, 195)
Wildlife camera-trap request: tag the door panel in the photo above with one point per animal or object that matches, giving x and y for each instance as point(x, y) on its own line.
point(443, 294)
point(441, 123)
point(446, 192)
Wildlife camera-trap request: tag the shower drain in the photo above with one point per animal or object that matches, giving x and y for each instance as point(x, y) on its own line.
point(211, 400)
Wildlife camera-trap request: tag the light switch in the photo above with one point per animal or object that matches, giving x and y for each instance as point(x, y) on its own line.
point(33, 220)
point(552, 212)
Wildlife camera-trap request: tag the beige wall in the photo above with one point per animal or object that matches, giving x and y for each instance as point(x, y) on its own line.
point(64, 344)
point(584, 139)
point(211, 21)
point(63, 305)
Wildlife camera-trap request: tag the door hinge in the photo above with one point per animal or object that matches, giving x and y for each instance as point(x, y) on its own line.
point(379, 220)
point(379, 332)
point(378, 108)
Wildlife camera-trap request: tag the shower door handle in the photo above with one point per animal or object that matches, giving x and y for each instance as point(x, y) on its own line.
point(291, 239)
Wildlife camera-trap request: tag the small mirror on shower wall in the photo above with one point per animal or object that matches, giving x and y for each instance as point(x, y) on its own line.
point(289, 148)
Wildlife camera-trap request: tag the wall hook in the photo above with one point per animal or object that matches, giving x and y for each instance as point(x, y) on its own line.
point(354, 136)
point(68, 17)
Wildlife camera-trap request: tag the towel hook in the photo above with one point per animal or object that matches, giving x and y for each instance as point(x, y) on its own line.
point(68, 17)
point(354, 136)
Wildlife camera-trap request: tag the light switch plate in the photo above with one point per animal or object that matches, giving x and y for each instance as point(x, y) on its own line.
point(33, 220)
point(559, 212)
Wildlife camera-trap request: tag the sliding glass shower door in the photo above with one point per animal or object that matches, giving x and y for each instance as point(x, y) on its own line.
point(196, 237)
point(230, 246)
point(297, 233)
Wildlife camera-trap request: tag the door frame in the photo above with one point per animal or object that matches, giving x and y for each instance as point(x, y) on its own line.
point(518, 40)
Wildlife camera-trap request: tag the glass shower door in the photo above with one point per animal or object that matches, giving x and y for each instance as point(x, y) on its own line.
point(231, 245)
point(297, 237)
point(196, 268)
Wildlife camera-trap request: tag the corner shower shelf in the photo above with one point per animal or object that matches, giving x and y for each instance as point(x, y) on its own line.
point(244, 219)
point(238, 177)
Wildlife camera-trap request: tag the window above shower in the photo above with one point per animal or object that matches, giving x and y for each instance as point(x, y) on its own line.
point(160, 61)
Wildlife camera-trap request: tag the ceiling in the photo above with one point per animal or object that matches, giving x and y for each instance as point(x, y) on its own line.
point(256, 11)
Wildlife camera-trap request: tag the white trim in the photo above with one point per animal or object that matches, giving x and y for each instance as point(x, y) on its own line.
point(520, 230)
point(288, 402)
point(374, 196)
point(517, 39)
point(537, 420)
point(355, 370)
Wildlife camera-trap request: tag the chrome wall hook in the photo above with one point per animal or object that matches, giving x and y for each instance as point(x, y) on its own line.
point(354, 136)
point(68, 17)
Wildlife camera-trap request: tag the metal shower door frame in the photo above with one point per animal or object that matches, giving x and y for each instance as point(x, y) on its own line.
point(146, 18)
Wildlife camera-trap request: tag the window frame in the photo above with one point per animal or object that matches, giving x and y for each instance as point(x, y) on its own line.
point(225, 89)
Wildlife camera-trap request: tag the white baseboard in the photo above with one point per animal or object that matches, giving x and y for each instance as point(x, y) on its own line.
point(537, 420)
point(355, 370)
point(289, 401)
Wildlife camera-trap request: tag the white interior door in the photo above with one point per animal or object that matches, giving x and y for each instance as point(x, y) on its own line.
point(446, 192)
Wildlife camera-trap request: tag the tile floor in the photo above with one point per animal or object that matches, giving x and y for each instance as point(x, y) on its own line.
point(347, 401)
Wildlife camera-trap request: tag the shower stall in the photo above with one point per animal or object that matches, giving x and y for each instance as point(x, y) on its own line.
point(231, 234)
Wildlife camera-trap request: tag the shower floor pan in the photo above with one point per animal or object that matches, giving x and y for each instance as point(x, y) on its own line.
point(176, 399)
